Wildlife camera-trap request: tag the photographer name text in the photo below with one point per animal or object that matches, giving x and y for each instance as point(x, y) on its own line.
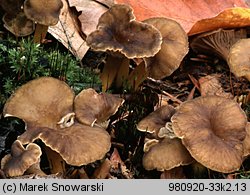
point(54, 187)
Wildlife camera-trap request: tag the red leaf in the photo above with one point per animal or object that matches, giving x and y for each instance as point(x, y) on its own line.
point(189, 12)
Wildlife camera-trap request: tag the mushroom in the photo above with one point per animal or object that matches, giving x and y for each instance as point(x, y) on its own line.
point(18, 24)
point(123, 37)
point(93, 108)
point(77, 145)
point(20, 159)
point(117, 30)
point(212, 128)
point(156, 120)
point(238, 58)
point(166, 155)
point(44, 13)
point(46, 106)
point(174, 48)
point(161, 153)
point(217, 42)
point(246, 143)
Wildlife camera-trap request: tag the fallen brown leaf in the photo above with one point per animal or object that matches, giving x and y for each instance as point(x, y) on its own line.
point(117, 165)
point(66, 32)
point(90, 12)
point(210, 85)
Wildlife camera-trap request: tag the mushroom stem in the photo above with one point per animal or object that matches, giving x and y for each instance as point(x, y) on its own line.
point(57, 164)
point(40, 33)
point(175, 173)
point(198, 169)
point(35, 169)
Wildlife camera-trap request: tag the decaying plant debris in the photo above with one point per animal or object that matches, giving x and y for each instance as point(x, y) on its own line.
point(173, 99)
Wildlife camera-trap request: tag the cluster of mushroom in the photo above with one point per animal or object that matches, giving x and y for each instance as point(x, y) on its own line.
point(210, 130)
point(230, 45)
point(69, 126)
point(22, 17)
point(159, 43)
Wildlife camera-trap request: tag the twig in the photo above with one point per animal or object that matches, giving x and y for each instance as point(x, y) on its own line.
point(172, 97)
point(231, 84)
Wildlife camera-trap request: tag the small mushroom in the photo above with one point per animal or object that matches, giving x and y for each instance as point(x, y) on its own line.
point(18, 24)
point(162, 154)
point(212, 128)
point(21, 159)
point(166, 155)
point(238, 58)
point(174, 48)
point(156, 120)
point(44, 13)
point(94, 108)
point(117, 30)
point(217, 42)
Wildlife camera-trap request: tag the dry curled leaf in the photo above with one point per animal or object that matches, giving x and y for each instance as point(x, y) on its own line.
point(66, 31)
point(227, 19)
point(117, 165)
point(210, 85)
point(90, 12)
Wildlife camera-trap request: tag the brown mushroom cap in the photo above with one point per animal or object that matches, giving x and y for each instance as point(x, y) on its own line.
point(117, 30)
point(217, 42)
point(156, 120)
point(78, 144)
point(238, 59)
point(91, 107)
point(11, 6)
point(174, 48)
point(18, 24)
point(246, 143)
point(44, 12)
point(41, 102)
point(21, 158)
point(212, 128)
point(166, 155)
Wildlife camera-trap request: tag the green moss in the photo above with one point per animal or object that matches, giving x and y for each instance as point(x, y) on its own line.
point(22, 61)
